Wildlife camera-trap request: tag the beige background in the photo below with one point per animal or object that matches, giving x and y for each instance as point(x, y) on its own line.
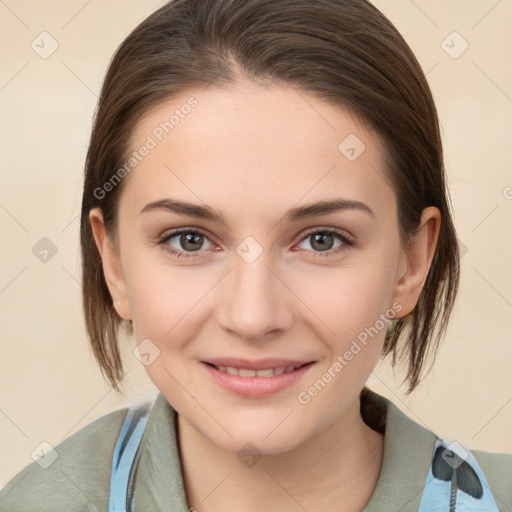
point(50, 385)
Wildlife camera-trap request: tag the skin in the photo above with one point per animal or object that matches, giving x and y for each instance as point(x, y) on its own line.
point(253, 153)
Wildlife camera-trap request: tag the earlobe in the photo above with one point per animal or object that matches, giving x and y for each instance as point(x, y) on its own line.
point(417, 259)
point(111, 264)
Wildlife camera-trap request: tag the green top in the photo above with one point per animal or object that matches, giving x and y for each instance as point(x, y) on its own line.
point(79, 479)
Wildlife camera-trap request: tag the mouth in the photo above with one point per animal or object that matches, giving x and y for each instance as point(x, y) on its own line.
point(256, 379)
point(251, 372)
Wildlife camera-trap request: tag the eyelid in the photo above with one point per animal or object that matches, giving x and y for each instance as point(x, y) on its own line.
point(326, 229)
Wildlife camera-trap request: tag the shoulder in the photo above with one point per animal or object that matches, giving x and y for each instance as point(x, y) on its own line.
point(497, 468)
point(80, 473)
point(501, 462)
point(409, 452)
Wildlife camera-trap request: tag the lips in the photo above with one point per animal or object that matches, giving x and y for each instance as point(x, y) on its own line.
point(258, 378)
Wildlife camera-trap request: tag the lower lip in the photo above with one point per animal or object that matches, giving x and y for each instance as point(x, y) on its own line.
point(256, 387)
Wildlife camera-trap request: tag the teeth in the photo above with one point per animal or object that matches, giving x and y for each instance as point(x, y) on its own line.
point(245, 372)
point(263, 373)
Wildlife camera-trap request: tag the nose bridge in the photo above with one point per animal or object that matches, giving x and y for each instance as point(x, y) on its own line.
point(254, 300)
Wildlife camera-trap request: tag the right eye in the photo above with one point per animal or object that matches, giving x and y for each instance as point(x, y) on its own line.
point(187, 242)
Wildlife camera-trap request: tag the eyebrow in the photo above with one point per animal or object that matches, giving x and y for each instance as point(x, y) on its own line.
point(293, 215)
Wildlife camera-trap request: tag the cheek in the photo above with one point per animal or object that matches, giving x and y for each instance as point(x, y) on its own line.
point(348, 300)
point(352, 304)
point(353, 313)
point(165, 301)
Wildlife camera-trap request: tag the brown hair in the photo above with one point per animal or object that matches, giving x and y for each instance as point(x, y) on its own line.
point(343, 51)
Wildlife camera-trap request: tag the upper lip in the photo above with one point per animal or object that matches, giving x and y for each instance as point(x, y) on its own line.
point(257, 364)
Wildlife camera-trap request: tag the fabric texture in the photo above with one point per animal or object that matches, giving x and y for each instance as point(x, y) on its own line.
point(79, 479)
point(456, 482)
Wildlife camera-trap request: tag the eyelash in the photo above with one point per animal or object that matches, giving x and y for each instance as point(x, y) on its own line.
point(347, 241)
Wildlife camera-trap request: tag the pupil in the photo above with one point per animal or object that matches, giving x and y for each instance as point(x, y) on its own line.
point(190, 237)
point(320, 239)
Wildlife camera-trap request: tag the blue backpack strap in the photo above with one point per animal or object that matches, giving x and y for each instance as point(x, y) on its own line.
point(125, 451)
point(456, 482)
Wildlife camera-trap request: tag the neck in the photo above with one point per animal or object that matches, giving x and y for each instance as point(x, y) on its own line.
point(337, 469)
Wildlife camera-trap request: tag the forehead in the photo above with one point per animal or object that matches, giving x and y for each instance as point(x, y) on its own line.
point(251, 144)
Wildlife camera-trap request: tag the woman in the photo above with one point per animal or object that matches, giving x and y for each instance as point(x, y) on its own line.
point(265, 210)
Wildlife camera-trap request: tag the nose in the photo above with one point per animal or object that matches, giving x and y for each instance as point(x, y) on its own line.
point(254, 301)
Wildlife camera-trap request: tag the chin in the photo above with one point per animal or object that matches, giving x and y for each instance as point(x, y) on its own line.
point(256, 440)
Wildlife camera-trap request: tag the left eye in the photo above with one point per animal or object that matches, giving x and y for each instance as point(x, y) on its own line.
point(322, 241)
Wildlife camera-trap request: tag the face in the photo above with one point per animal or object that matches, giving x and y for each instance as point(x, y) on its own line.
point(260, 279)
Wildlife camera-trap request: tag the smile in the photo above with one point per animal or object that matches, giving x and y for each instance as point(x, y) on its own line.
point(247, 372)
point(256, 382)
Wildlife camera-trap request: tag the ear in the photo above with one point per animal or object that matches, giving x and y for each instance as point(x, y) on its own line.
point(415, 261)
point(111, 264)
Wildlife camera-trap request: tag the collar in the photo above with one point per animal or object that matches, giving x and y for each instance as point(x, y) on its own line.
point(408, 449)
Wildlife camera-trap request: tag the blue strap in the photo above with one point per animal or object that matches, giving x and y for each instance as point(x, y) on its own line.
point(125, 451)
point(456, 482)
